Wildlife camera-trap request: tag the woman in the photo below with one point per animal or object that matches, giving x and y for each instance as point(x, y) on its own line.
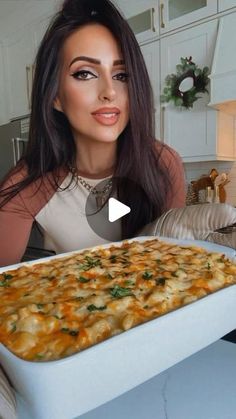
point(92, 122)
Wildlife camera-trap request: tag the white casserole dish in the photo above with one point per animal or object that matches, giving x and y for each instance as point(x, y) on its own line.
point(69, 387)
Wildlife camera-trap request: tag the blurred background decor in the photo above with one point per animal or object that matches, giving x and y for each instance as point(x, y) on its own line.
point(208, 188)
point(183, 87)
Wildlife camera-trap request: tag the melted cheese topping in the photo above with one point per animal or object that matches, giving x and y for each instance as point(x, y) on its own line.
point(53, 309)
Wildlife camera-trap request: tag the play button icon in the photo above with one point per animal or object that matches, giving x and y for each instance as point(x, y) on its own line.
point(109, 219)
point(116, 209)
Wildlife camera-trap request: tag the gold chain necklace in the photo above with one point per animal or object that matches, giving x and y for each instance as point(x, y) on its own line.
point(100, 195)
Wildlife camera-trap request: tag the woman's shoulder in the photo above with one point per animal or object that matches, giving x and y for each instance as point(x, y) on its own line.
point(172, 163)
point(35, 194)
point(20, 173)
point(16, 175)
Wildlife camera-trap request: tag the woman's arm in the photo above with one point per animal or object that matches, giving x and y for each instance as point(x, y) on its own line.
point(15, 228)
point(173, 163)
point(18, 215)
point(16, 220)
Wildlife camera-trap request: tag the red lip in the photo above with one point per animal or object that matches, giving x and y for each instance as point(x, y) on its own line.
point(107, 116)
point(106, 110)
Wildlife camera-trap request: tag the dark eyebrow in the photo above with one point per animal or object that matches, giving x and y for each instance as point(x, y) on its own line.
point(94, 61)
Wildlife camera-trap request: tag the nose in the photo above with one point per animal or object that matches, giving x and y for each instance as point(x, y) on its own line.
point(107, 91)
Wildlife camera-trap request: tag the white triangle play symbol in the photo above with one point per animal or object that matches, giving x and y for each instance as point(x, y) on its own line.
point(116, 209)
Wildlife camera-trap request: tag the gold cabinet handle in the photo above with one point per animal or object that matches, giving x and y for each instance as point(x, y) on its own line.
point(162, 15)
point(162, 124)
point(28, 70)
point(33, 71)
point(153, 20)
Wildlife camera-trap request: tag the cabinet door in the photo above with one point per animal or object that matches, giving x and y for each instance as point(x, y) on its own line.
point(151, 53)
point(142, 16)
point(19, 58)
point(177, 13)
point(3, 96)
point(39, 30)
point(226, 4)
point(191, 132)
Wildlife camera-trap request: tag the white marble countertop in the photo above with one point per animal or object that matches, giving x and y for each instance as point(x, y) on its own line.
point(202, 386)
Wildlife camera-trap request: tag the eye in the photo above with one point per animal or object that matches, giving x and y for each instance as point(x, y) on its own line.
point(83, 75)
point(123, 77)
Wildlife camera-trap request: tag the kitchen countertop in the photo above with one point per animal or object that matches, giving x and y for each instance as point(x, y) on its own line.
point(200, 387)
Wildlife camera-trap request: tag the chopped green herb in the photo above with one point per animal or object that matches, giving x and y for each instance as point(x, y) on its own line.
point(7, 276)
point(91, 263)
point(158, 260)
point(13, 327)
point(109, 276)
point(74, 332)
point(208, 265)
point(146, 306)
point(129, 282)
point(83, 280)
point(4, 284)
point(69, 331)
point(160, 281)
point(147, 275)
point(39, 306)
point(92, 307)
point(126, 264)
point(120, 292)
point(126, 273)
point(39, 356)
point(65, 329)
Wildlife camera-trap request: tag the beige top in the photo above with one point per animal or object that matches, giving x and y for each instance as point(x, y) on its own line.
point(65, 214)
point(61, 214)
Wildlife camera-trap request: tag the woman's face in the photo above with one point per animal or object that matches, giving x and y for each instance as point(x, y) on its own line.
point(93, 91)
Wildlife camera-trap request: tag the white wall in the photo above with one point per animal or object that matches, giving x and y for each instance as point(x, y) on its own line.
point(17, 13)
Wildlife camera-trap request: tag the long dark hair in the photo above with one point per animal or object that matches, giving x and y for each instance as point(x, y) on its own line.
point(51, 145)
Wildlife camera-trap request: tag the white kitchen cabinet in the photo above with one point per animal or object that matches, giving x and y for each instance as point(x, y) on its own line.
point(177, 13)
point(3, 97)
point(226, 139)
point(168, 15)
point(196, 134)
point(142, 16)
point(39, 30)
point(20, 34)
point(226, 4)
point(151, 53)
point(19, 50)
point(134, 7)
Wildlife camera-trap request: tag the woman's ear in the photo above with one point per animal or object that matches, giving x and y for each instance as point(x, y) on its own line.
point(57, 104)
